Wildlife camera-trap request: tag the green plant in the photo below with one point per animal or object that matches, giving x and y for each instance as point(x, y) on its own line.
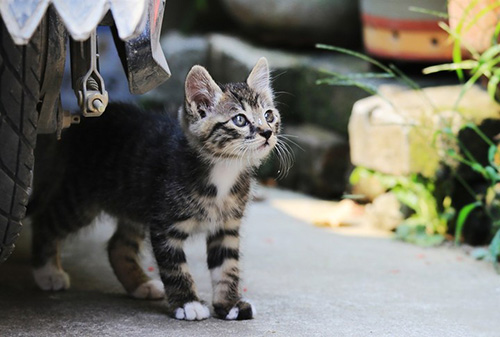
point(427, 224)
point(480, 66)
point(362, 80)
point(419, 194)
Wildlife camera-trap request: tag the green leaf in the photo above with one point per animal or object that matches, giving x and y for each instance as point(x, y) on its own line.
point(463, 65)
point(417, 235)
point(430, 240)
point(493, 84)
point(371, 89)
point(438, 14)
point(495, 35)
point(492, 174)
point(355, 54)
point(406, 197)
point(490, 52)
point(492, 151)
point(355, 176)
point(356, 75)
point(480, 253)
point(467, 85)
point(479, 133)
point(403, 231)
point(353, 196)
point(495, 246)
point(478, 168)
point(484, 10)
point(462, 217)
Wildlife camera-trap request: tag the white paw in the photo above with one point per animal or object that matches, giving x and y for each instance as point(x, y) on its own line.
point(49, 277)
point(246, 308)
point(192, 311)
point(152, 289)
point(233, 313)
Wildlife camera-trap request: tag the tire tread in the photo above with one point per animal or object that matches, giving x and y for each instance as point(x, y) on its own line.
point(21, 69)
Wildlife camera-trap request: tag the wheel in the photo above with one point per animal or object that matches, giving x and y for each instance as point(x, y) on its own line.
point(21, 73)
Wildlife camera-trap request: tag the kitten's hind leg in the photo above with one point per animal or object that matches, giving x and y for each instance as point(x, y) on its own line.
point(50, 226)
point(123, 251)
point(51, 276)
point(47, 269)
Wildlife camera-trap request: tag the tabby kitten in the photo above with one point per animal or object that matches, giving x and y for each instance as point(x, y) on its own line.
point(171, 178)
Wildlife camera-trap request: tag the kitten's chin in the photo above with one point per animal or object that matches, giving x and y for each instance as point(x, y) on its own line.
point(263, 150)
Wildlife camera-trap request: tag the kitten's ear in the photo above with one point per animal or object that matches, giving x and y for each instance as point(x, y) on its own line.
point(201, 89)
point(259, 78)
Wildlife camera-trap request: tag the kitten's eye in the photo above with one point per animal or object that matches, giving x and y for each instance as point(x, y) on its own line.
point(269, 116)
point(240, 120)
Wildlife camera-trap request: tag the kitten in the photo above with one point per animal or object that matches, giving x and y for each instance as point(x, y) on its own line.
point(171, 178)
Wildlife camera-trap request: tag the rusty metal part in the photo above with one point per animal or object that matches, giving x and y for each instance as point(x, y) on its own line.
point(87, 82)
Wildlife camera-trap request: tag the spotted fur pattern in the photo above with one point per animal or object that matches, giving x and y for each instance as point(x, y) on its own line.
point(170, 177)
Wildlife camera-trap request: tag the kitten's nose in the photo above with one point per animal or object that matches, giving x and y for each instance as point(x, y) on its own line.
point(266, 134)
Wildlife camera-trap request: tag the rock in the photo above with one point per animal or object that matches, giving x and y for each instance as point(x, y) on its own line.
point(295, 75)
point(399, 133)
point(321, 162)
point(367, 188)
point(182, 52)
point(289, 21)
point(403, 134)
point(385, 212)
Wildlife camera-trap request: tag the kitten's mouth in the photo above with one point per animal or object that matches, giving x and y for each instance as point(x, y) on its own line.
point(264, 146)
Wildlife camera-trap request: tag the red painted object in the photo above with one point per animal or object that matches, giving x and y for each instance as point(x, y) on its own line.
point(392, 30)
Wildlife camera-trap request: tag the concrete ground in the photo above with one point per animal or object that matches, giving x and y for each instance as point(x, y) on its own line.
point(303, 280)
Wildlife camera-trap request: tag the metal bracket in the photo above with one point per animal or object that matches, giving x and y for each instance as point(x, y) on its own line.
point(87, 82)
point(65, 120)
point(142, 57)
point(49, 108)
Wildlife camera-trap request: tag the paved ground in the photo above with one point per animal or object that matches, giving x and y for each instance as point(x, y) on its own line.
point(304, 281)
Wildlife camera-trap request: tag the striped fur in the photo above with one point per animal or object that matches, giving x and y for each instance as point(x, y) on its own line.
point(171, 178)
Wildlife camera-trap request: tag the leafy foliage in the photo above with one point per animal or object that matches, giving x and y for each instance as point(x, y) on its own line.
point(427, 224)
point(485, 65)
point(429, 221)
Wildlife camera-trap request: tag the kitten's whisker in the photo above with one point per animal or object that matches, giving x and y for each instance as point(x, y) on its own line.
point(289, 152)
point(287, 135)
point(285, 157)
point(285, 138)
point(284, 93)
point(282, 167)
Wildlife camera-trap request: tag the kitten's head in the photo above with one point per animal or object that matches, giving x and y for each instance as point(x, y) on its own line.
point(236, 120)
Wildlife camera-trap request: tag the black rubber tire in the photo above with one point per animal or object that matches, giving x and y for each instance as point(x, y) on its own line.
point(21, 72)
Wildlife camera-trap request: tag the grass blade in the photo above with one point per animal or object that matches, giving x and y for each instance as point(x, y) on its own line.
point(356, 54)
point(442, 15)
point(462, 217)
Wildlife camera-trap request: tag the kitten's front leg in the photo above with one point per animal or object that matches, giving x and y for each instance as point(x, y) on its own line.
point(223, 262)
point(180, 289)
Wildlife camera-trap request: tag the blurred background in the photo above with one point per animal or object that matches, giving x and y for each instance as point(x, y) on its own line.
point(407, 155)
point(390, 111)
